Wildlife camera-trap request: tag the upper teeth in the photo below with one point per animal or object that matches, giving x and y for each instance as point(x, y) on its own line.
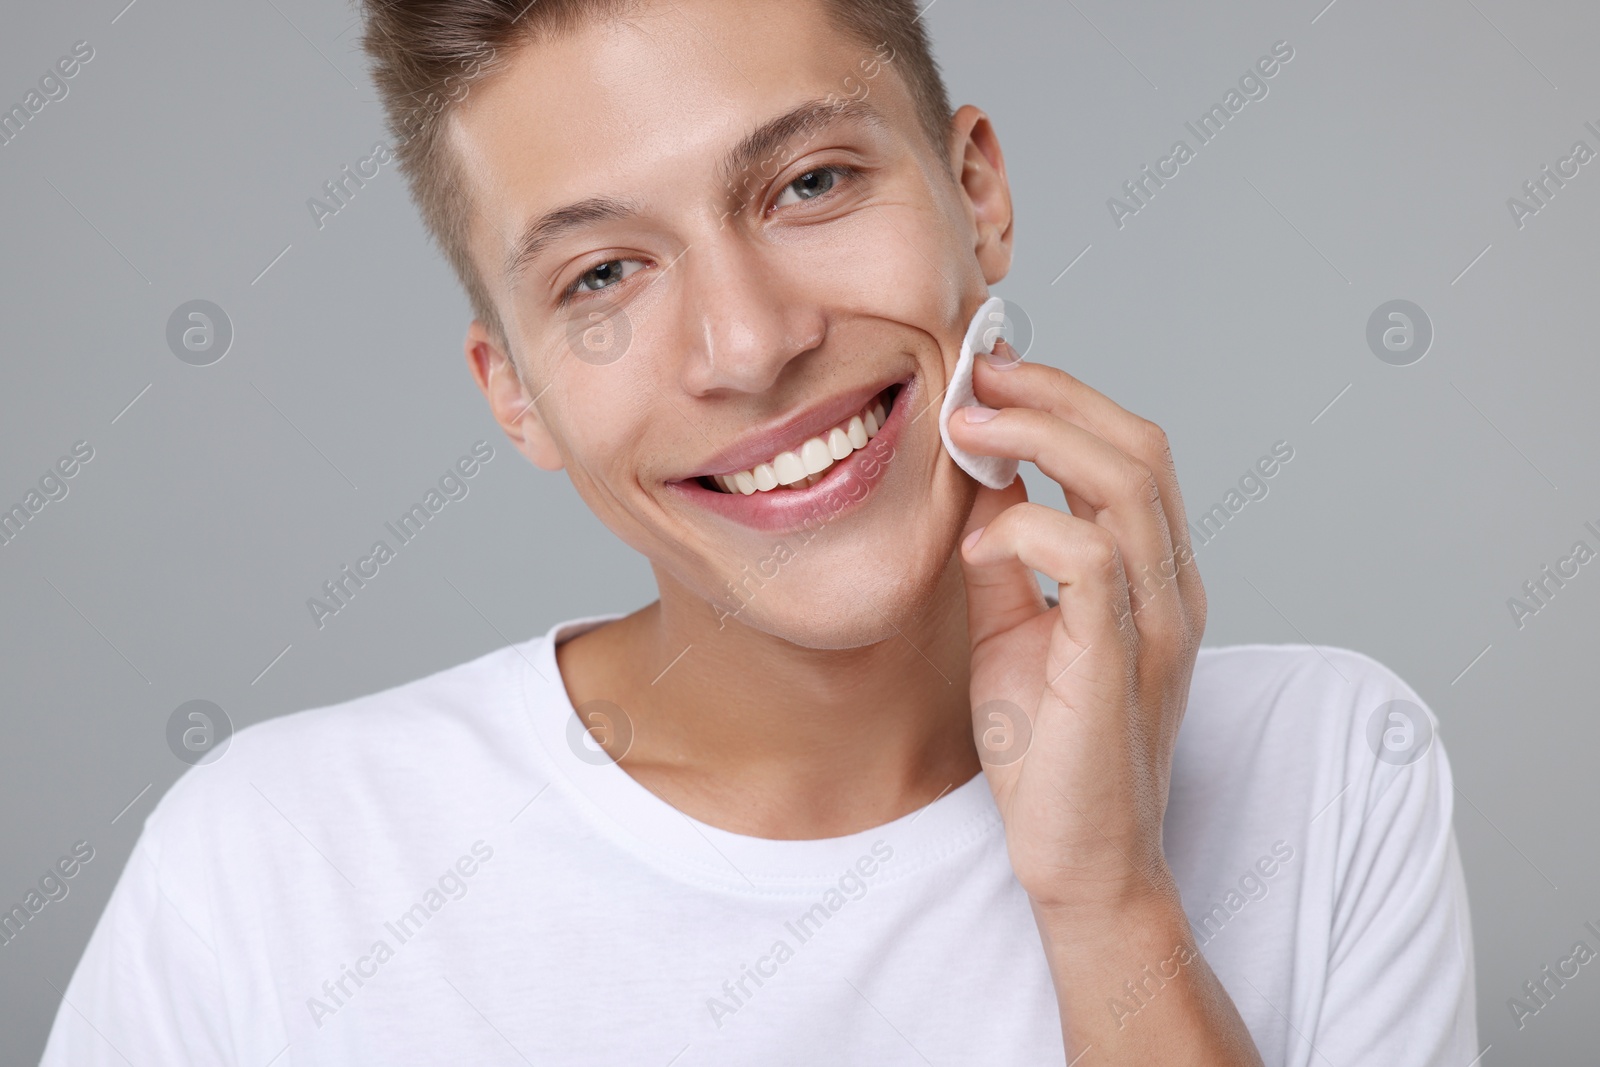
point(805, 465)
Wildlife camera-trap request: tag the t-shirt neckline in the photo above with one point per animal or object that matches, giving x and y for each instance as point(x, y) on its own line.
point(643, 823)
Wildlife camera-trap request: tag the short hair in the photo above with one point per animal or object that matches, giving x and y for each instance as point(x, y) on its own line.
point(427, 54)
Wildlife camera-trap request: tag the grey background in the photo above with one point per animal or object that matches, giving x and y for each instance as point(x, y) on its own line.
point(1232, 310)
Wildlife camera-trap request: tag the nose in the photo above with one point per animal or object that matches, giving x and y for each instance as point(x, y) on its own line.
point(746, 319)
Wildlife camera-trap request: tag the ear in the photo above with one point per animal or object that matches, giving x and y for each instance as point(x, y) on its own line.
point(979, 169)
point(509, 400)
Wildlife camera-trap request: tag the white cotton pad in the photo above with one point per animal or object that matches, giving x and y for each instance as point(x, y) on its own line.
point(996, 472)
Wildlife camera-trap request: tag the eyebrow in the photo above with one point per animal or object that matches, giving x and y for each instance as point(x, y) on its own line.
point(757, 147)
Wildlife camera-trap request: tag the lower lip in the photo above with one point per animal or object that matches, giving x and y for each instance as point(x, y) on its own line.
point(844, 487)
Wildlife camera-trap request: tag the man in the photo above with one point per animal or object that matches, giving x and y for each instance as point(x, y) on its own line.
point(853, 790)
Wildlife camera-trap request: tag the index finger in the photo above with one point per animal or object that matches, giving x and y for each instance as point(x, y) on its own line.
point(1010, 383)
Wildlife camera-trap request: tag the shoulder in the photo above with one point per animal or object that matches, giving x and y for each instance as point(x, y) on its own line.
point(1292, 733)
point(1324, 695)
point(374, 760)
point(1307, 668)
point(1310, 813)
point(463, 699)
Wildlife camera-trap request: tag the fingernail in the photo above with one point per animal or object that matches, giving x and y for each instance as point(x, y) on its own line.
point(977, 413)
point(1004, 356)
point(972, 538)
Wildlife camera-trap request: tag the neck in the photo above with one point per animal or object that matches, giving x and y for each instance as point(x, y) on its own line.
point(756, 735)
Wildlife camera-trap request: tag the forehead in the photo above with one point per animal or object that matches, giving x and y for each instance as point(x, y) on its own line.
point(612, 104)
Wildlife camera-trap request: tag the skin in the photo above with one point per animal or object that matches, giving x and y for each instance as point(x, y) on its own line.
point(842, 695)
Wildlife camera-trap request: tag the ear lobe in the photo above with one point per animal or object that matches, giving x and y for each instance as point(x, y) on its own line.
point(510, 402)
point(979, 169)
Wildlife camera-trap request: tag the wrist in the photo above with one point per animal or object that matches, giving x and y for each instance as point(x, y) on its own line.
point(1150, 904)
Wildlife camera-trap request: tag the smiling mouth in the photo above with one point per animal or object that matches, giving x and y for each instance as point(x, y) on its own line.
point(808, 462)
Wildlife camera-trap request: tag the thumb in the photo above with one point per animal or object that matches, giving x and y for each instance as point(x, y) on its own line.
point(1003, 594)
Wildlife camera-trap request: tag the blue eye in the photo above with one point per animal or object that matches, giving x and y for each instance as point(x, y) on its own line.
point(600, 276)
point(813, 184)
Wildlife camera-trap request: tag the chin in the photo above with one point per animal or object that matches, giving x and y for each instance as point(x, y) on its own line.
point(853, 593)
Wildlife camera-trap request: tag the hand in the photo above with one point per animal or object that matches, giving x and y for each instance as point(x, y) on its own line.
point(1103, 678)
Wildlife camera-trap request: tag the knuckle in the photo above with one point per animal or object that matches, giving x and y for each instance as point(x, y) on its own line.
point(1100, 550)
point(1041, 516)
point(1020, 520)
point(1142, 484)
point(1197, 610)
point(1011, 517)
point(1153, 440)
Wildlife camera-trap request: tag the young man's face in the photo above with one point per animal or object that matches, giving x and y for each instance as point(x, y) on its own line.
point(683, 325)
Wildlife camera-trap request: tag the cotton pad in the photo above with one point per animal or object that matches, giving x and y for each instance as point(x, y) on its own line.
point(996, 472)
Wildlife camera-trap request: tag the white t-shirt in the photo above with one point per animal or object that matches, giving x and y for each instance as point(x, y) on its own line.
point(438, 874)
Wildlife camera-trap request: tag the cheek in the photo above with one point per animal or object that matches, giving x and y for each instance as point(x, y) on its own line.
point(595, 416)
point(895, 261)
